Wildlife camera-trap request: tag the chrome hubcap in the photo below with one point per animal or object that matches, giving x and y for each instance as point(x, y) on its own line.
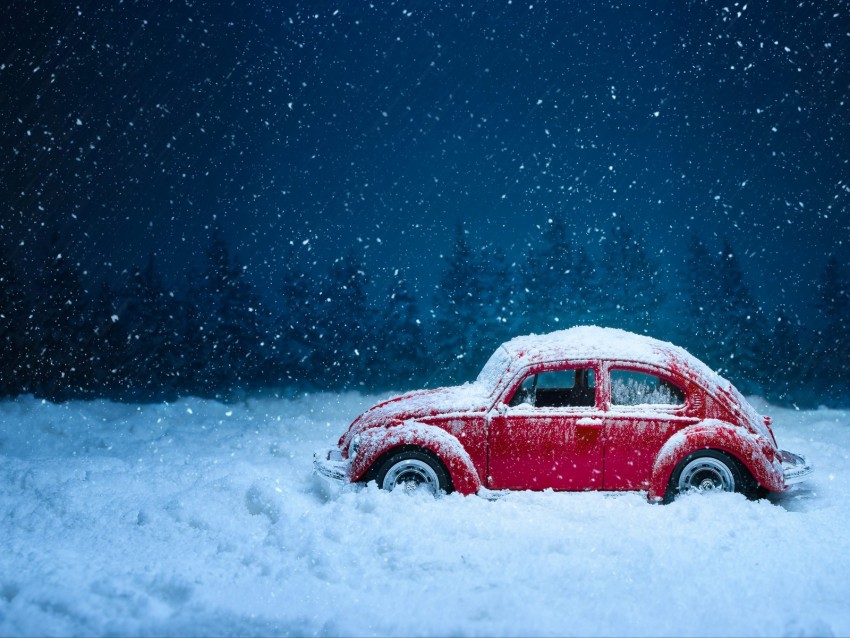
point(706, 474)
point(412, 475)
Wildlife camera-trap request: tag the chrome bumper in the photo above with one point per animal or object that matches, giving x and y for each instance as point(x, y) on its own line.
point(330, 465)
point(795, 467)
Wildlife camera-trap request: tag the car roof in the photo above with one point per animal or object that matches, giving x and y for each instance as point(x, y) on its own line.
point(594, 342)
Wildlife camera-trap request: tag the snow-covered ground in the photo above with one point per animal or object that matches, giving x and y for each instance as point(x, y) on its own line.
point(198, 518)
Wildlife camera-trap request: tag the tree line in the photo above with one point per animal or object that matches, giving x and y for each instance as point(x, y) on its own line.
point(329, 327)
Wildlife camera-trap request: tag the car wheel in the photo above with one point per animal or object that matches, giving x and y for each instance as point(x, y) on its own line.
point(414, 471)
point(707, 471)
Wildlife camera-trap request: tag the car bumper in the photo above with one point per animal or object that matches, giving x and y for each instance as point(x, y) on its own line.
point(795, 467)
point(330, 465)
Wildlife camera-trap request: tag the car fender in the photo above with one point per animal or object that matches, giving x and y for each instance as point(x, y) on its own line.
point(375, 442)
point(755, 454)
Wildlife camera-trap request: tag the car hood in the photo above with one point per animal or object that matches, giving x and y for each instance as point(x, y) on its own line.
point(469, 397)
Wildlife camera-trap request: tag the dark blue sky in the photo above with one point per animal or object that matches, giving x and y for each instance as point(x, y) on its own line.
point(131, 126)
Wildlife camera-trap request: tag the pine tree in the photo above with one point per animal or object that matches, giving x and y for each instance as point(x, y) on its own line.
point(523, 302)
point(227, 327)
point(701, 323)
point(585, 294)
point(107, 345)
point(494, 318)
point(456, 305)
point(516, 301)
point(297, 334)
point(143, 331)
point(832, 348)
point(57, 332)
point(630, 289)
point(346, 345)
point(741, 324)
point(785, 361)
point(401, 355)
point(557, 276)
point(199, 347)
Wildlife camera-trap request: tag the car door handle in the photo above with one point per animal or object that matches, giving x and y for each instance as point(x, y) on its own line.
point(592, 421)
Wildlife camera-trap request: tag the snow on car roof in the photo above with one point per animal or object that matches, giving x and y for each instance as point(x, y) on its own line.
point(594, 342)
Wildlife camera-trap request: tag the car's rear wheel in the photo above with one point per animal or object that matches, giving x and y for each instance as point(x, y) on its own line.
point(707, 471)
point(414, 471)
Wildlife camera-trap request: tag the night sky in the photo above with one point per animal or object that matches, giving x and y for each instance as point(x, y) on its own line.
point(132, 127)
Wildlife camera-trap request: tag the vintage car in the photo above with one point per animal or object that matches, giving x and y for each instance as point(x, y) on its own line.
point(587, 408)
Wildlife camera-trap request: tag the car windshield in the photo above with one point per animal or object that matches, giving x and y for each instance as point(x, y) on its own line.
point(494, 370)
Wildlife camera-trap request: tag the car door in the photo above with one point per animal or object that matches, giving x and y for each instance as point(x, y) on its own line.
point(548, 433)
point(644, 407)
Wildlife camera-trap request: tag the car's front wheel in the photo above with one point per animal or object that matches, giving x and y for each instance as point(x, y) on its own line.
point(414, 471)
point(707, 471)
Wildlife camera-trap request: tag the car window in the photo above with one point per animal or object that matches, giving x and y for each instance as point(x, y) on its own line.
point(557, 389)
point(637, 388)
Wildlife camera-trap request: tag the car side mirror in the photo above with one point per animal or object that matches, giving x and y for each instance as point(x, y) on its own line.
point(501, 408)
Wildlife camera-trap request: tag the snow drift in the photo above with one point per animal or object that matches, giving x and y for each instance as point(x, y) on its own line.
point(199, 518)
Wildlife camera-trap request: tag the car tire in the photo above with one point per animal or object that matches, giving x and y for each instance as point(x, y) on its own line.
point(414, 471)
point(708, 471)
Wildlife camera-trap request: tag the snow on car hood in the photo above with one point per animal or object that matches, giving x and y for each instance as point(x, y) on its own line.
point(468, 397)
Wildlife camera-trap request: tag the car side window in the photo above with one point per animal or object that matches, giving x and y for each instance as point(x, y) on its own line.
point(557, 389)
point(638, 388)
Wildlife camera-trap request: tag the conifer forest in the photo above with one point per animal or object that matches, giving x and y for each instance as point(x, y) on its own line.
point(330, 326)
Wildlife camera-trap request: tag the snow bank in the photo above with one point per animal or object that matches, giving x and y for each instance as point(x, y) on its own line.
point(199, 518)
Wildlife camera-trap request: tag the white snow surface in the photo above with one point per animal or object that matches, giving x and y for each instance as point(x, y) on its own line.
point(198, 518)
point(592, 342)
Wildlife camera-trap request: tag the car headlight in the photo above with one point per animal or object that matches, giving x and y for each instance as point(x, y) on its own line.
point(354, 446)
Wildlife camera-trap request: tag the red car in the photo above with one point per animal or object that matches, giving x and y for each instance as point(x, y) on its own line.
point(581, 409)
